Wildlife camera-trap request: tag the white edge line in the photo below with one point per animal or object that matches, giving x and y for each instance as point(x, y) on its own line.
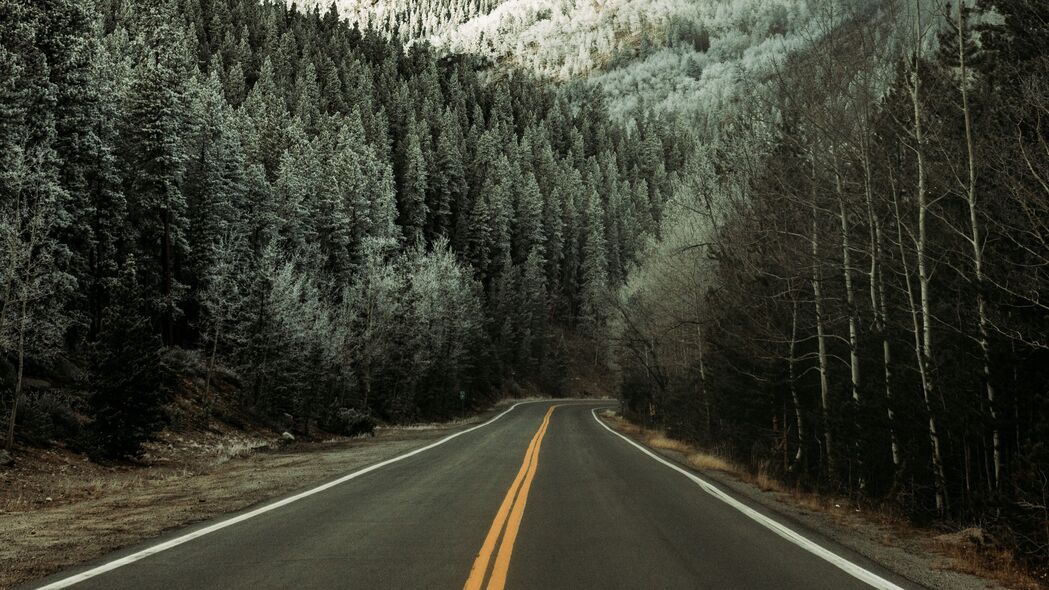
point(838, 561)
point(112, 565)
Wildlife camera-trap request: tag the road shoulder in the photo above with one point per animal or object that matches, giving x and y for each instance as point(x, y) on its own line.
point(898, 549)
point(95, 512)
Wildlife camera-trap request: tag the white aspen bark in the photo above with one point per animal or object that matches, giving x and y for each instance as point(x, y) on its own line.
point(9, 443)
point(799, 455)
point(878, 304)
point(850, 297)
point(934, 437)
point(821, 337)
point(9, 282)
point(975, 240)
point(923, 271)
point(850, 304)
point(210, 372)
point(703, 391)
point(886, 348)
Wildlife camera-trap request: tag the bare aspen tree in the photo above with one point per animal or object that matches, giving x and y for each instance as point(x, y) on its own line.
point(821, 338)
point(868, 88)
point(704, 391)
point(975, 240)
point(31, 278)
point(923, 370)
point(792, 376)
point(924, 278)
point(850, 298)
point(875, 271)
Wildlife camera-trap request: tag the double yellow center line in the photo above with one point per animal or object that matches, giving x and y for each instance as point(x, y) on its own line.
point(510, 513)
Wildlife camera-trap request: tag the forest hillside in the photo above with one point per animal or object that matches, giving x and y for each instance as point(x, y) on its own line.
point(850, 290)
point(810, 237)
point(318, 225)
point(668, 55)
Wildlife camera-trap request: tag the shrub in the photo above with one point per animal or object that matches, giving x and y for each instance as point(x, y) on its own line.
point(48, 416)
point(350, 422)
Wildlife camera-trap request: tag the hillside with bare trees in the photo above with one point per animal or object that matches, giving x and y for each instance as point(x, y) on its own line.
point(850, 293)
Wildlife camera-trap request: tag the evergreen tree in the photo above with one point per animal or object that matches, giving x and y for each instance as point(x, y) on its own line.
point(247, 178)
point(131, 384)
point(528, 234)
point(412, 188)
point(307, 99)
point(448, 188)
point(214, 183)
point(265, 121)
point(594, 267)
point(154, 160)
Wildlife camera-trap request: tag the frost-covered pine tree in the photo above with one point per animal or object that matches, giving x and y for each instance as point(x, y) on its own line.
point(154, 158)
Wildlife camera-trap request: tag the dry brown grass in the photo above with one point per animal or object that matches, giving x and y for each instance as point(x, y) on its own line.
point(766, 482)
point(707, 462)
point(619, 423)
point(998, 564)
point(659, 440)
point(811, 502)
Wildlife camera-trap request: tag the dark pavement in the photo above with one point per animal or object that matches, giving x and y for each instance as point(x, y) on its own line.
point(595, 512)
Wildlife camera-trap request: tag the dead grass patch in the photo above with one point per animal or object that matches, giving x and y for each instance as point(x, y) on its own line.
point(619, 423)
point(766, 482)
point(989, 562)
point(707, 462)
point(660, 440)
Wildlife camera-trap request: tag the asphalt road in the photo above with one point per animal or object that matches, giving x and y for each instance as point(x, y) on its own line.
point(539, 498)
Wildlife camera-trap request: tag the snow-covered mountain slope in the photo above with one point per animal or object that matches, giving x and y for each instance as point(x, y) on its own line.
point(681, 55)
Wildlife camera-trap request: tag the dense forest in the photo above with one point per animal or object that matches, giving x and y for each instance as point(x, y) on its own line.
point(314, 221)
point(683, 57)
point(321, 225)
point(851, 293)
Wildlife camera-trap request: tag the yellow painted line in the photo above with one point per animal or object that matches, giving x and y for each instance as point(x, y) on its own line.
point(512, 509)
point(502, 560)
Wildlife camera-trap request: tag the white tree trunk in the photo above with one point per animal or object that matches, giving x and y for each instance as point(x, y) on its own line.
point(800, 454)
point(821, 337)
point(9, 443)
point(211, 371)
point(977, 246)
point(850, 297)
point(926, 346)
point(879, 306)
point(704, 392)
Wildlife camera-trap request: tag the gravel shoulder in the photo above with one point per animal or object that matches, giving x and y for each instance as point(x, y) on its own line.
point(58, 510)
point(911, 553)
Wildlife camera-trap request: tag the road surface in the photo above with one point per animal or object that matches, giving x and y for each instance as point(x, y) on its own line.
point(544, 496)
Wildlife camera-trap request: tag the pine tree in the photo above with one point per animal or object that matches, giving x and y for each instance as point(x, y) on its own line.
point(308, 98)
point(412, 188)
point(130, 382)
point(214, 183)
point(248, 178)
point(528, 234)
point(594, 271)
point(448, 188)
point(265, 121)
point(154, 160)
point(533, 314)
